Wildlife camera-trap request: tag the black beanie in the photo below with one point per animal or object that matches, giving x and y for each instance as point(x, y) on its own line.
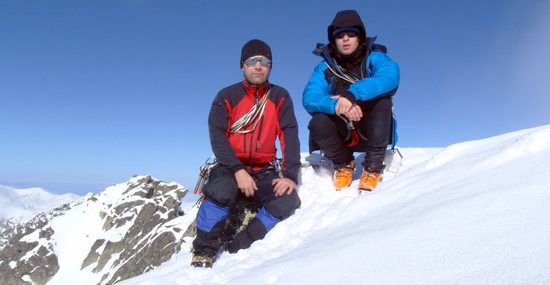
point(255, 47)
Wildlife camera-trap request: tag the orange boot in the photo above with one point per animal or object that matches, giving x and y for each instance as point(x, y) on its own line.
point(342, 176)
point(369, 180)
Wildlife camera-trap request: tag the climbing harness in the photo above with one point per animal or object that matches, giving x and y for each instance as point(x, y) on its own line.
point(276, 164)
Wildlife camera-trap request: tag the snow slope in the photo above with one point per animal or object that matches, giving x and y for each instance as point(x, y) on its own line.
point(472, 213)
point(23, 204)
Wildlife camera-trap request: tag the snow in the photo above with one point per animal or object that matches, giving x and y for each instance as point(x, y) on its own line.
point(75, 233)
point(23, 204)
point(471, 213)
point(474, 212)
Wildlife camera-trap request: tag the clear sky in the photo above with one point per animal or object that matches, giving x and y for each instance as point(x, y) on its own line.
point(94, 92)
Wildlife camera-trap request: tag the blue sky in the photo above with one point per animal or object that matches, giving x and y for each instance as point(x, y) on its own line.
point(94, 92)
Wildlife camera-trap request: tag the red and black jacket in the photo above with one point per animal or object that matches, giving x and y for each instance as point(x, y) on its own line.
point(255, 149)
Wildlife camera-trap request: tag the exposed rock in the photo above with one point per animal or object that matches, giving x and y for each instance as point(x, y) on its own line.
point(191, 231)
point(35, 259)
point(131, 234)
point(46, 234)
point(93, 256)
point(142, 211)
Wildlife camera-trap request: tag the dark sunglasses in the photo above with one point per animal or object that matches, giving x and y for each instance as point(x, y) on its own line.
point(264, 61)
point(350, 34)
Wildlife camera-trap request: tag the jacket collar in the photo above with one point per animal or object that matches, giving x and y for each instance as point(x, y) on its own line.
point(253, 90)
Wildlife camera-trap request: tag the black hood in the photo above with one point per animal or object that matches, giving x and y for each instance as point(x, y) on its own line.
point(347, 18)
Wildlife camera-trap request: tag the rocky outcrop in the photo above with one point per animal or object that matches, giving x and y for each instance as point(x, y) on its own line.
point(140, 218)
point(27, 256)
point(132, 226)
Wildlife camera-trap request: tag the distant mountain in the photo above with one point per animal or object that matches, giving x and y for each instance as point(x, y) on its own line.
point(23, 204)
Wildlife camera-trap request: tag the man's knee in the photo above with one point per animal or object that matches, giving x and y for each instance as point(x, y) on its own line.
point(284, 206)
point(221, 188)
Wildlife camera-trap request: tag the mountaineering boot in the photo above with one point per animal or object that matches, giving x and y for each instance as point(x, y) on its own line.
point(202, 261)
point(369, 180)
point(342, 176)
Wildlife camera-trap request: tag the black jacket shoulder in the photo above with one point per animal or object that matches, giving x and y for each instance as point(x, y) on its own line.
point(235, 92)
point(232, 93)
point(277, 93)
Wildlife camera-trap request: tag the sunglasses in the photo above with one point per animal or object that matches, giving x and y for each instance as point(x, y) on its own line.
point(264, 61)
point(350, 34)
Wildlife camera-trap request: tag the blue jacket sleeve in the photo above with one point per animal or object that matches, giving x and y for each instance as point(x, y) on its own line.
point(316, 96)
point(384, 77)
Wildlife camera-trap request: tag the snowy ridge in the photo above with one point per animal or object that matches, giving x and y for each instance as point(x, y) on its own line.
point(469, 213)
point(23, 204)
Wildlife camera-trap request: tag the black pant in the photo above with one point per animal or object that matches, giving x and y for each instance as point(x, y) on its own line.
point(222, 190)
point(330, 134)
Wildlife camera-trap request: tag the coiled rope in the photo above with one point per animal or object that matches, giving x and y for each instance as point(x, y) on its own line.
point(343, 76)
point(254, 115)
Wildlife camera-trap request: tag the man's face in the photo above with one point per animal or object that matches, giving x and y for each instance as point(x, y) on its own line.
point(256, 69)
point(347, 42)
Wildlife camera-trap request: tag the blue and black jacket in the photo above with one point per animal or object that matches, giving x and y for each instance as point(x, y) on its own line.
point(379, 77)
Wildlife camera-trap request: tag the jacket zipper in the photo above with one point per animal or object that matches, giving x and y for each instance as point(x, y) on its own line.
point(251, 148)
point(252, 134)
point(244, 143)
point(261, 123)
